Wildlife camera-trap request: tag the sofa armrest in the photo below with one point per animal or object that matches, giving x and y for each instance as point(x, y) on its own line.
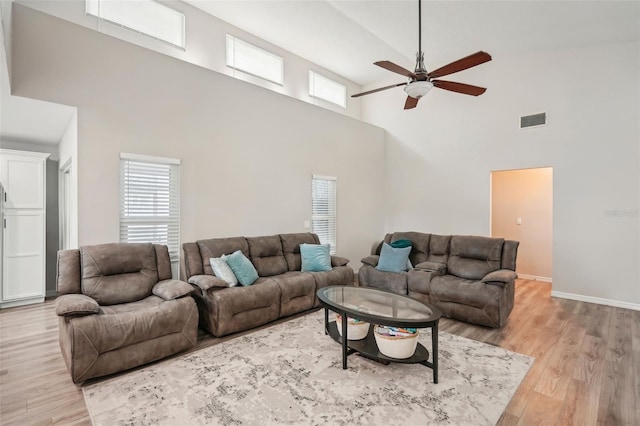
point(338, 261)
point(171, 289)
point(76, 305)
point(371, 260)
point(501, 276)
point(441, 268)
point(207, 282)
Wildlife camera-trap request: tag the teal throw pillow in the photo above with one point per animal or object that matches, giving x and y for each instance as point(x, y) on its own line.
point(401, 244)
point(315, 257)
point(393, 259)
point(242, 267)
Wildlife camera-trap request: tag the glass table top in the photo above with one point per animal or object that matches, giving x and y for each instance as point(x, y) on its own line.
point(377, 303)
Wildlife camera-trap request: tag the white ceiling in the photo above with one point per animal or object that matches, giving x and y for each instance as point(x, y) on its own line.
point(28, 120)
point(346, 37)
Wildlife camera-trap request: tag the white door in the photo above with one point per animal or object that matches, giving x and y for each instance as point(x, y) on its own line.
point(23, 267)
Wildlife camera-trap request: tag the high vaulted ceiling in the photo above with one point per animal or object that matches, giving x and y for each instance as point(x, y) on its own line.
point(346, 37)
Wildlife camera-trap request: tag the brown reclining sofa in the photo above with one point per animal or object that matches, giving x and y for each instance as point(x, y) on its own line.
point(470, 278)
point(281, 289)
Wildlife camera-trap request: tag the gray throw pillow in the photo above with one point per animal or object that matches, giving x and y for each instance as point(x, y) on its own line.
point(222, 270)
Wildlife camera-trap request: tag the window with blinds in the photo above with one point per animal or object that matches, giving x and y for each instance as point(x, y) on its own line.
point(150, 202)
point(323, 209)
point(145, 16)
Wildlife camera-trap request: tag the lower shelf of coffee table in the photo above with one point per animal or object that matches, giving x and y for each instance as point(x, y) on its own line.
point(368, 348)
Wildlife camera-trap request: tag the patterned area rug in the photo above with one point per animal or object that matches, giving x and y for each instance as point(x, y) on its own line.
point(292, 373)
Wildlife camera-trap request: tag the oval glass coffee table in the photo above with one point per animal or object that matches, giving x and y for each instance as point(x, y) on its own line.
point(379, 307)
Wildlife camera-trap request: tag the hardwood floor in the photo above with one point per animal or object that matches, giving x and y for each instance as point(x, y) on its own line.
point(586, 372)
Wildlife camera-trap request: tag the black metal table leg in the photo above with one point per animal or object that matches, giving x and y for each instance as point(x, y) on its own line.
point(434, 351)
point(326, 321)
point(344, 341)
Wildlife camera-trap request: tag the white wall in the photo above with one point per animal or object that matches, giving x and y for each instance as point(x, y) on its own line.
point(247, 153)
point(68, 154)
point(440, 155)
point(205, 36)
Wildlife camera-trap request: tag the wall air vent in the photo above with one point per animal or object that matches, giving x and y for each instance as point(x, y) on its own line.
point(533, 120)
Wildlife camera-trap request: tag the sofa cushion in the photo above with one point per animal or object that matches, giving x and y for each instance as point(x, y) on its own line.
point(473, 257)
point(267, 256)
point(439, 248)
point(368, 276)
point(117, 326)
point(297, 292)
point(371, 260)
point(216, 247)
point(420, 245)
point(240, 308)
point(222, 270)
point(242, 267)
point(315, 257)
point(291, 248)
point(118, 273)
point(393, 259)
point(448, 288)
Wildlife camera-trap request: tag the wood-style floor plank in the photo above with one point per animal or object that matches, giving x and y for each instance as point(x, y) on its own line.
point(586, 372)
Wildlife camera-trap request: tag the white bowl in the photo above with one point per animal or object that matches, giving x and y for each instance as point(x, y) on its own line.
point(399, 347)
point(356, 329)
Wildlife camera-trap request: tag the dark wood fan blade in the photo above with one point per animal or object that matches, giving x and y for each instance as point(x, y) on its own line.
point(390, 66)
point(378, 90)
point(410, 103)
point(466, 89)
point(461, 64)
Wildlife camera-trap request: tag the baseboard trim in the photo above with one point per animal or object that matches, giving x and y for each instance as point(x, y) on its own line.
point(534, 278)
point(596, 300)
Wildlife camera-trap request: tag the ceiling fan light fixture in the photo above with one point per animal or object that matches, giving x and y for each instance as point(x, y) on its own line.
point(417, 89)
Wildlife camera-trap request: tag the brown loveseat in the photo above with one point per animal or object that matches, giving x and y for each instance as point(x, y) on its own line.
point(469, 278)
point(119, 308)
point(281, 289)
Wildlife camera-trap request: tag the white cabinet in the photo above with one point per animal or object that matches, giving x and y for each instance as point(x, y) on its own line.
point(22, 175)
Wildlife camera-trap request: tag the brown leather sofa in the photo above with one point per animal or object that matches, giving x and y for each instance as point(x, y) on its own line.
point(281, 289)
point(119, 308)
point(469, 278)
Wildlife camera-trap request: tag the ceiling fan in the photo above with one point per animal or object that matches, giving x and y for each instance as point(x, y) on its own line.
point(421, 81)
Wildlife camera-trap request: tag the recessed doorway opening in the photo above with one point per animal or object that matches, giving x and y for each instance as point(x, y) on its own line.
point(522, 210)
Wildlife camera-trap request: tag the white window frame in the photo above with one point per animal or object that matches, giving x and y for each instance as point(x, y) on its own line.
point(107, 10)
point(232, 42)
point(316, 81)
point(330, 235)
point(172, 220)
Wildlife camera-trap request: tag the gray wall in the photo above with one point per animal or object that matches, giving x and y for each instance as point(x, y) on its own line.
point(53, 226)
point(247, 153)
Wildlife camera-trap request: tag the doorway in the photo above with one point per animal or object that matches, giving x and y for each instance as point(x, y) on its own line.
point(522, 210)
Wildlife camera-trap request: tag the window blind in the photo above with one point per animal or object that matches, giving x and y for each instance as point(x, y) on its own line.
point(327, 89)
point(323, 209)
point(145, 16)
point(253, 60)
point(150, 203)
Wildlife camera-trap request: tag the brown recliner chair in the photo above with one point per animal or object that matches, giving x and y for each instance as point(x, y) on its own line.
point(119, 308)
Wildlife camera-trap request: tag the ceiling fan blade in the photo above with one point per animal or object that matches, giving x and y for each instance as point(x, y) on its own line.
point(390, 66)
point(463, 88)
point(378, 90)
point(461, 64)
point(410, 103)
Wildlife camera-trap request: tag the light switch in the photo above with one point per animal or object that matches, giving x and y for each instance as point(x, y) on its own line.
point(518, 221)
point(307, 224)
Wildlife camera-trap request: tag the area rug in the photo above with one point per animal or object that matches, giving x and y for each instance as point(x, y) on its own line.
point(292, 373)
